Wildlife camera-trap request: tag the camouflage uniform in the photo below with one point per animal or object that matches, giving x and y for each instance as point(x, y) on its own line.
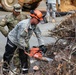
point(10, 21)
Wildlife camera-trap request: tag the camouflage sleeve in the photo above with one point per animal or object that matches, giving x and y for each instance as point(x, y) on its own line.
point(3, 31)
point(3, 22)
point(24, 16)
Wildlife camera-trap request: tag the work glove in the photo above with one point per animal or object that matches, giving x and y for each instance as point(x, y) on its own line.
point(26, 49)
point(43, 48)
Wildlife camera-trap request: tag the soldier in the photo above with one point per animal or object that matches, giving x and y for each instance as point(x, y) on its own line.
point(51, 4)
point(18, 38)
point(12, 19)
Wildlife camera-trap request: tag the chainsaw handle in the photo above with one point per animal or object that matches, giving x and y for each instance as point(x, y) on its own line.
point(27, 54)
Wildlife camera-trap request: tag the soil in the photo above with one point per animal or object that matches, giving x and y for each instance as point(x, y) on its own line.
point(67, 5)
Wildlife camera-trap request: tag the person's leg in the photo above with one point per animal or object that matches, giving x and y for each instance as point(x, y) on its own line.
point(16, 58)
point(9, 50)
point(53, 11)
point(24, 61)
point(48, 12)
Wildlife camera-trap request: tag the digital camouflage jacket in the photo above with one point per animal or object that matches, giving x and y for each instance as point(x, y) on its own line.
point(10, 21)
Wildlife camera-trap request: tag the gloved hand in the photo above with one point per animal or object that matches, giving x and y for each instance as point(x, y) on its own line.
point(26, 49)
point(43, 48)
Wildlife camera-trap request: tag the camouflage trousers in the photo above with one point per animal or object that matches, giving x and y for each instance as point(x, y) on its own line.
point(16, 59)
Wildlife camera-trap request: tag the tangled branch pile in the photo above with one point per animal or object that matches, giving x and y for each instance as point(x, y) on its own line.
point(66, 28)
point(65, 46)
point(64, 62)
point(62, 50)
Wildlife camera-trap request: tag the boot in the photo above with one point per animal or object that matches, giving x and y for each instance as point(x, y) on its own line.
point(24, 70)
point(5, 71)
point(53, 20)
point(5, 68)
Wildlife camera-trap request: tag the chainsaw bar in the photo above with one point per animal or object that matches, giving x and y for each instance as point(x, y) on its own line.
point(46, 59)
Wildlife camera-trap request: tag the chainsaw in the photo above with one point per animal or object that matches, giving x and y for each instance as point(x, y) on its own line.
point(36, 53)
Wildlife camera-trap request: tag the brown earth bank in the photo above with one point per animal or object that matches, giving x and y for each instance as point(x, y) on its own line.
point(67, 5)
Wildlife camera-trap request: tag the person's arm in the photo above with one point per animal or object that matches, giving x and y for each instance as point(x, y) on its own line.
point(3, 23)
point(3, 31)
point(40, 40)
point(38, 35)
point(25, 16)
